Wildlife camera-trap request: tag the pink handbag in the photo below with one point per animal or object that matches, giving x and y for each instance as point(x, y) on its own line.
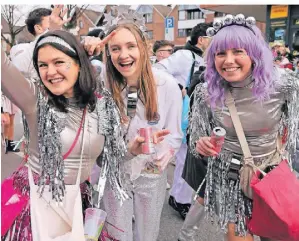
point(12, 202)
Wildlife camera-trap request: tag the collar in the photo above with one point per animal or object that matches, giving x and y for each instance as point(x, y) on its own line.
point(246, 83)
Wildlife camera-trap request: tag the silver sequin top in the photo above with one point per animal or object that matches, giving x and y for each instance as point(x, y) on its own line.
point(23, 93)
point(261, 121)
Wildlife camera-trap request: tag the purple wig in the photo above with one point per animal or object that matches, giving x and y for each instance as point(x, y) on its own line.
point(263, 71)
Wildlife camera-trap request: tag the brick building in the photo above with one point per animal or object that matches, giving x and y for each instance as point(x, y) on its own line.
point(188, 16)
point(154, 20)
point(90, 19)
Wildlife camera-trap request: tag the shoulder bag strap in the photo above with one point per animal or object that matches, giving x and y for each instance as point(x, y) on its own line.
point(191, 70)
point(230, 103)
point(76, 138)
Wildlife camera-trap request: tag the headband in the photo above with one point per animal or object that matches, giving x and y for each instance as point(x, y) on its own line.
point(230, 20)
point(57, 40)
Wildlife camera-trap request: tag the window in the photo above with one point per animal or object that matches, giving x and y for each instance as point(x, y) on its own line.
point(148, 17)
point(194, 14)
point(80, 24)
point(149, 34)
point(184, 32)
point(182, 15)
point(219, 15)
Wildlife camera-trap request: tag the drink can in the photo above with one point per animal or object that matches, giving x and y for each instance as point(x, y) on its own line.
point(148, 145)
point(217, 138)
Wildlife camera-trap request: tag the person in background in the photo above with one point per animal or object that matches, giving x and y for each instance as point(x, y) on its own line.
point(181, 65)
point(37, 23)
point(9, 111)
point(162, 49)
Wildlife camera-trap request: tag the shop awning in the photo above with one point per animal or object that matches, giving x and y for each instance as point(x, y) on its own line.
point(257, 11)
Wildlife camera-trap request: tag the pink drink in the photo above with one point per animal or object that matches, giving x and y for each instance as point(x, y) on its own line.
point(148, 145)
point(217, 138)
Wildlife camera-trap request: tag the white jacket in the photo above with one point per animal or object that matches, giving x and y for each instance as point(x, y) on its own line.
point(179, 65)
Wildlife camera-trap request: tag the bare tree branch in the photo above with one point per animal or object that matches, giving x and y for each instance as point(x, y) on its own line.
point(12, 15)
point(5, 39)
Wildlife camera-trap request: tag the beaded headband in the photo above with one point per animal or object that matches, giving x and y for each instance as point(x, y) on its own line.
point(231, 20)
point(124, 15)
point(57, 40)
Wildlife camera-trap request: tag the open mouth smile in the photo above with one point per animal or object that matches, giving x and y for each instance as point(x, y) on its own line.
point(233, 69)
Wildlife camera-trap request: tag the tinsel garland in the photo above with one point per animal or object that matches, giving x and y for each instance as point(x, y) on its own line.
point(222, 194)
point(52, 122)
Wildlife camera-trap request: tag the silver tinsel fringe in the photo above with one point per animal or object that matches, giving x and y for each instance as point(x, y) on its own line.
point(114, 147)
point(50, 125)
point(224, 200)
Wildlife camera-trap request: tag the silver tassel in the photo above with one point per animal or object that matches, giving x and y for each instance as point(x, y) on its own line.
point(109, 125)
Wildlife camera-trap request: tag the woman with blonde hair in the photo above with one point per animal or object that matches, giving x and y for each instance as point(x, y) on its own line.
point(157, 105)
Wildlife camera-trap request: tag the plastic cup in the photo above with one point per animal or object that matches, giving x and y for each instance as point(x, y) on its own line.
point(94, 223)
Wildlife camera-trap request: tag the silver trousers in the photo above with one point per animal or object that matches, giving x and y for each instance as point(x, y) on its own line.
point(148, 195)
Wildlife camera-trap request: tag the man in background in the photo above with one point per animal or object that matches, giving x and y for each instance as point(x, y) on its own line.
point(162, 49)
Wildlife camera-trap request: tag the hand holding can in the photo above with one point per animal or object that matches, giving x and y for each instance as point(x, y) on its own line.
point(147, 145)
point(217, 138)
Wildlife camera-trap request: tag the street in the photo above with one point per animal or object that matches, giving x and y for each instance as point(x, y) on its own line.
point(171, 222)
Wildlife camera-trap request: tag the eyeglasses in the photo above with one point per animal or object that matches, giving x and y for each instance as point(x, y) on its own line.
point(167, 50)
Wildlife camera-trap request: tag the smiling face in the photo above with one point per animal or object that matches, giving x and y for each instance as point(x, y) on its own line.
point(125, 54)
point(58, 71)
point(233, 64)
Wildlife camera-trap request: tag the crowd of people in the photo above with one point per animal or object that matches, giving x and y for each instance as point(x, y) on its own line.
point(85, 104)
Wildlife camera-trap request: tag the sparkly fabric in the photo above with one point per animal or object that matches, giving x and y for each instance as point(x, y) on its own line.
point(114, 148)
point(146, 205)
point(224, 200)
point(50, 134)
point(21, 229)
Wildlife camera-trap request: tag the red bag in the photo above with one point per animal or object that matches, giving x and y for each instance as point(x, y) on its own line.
point(275, 212)
point(12, 203)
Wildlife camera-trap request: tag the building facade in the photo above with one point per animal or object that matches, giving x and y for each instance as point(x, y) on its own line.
point(154, 16)
point(283, 24)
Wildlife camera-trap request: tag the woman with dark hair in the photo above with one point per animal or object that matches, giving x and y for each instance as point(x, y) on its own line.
point(146, 98)
point(68, 127)
point(240, 65)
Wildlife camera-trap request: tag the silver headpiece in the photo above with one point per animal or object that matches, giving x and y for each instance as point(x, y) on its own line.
point(57, 40)
point(124, 15)
point(231, 20)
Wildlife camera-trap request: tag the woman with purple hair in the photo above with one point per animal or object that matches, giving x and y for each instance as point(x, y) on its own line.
point(240, 62)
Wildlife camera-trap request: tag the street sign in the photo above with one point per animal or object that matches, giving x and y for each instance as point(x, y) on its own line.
point(169, 28)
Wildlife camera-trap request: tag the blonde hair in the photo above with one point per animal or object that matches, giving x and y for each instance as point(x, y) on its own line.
point(147, 82)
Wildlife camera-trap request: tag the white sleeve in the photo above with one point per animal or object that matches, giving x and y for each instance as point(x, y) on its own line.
point(171, 63)
point(173, 108)
point(23, 61)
